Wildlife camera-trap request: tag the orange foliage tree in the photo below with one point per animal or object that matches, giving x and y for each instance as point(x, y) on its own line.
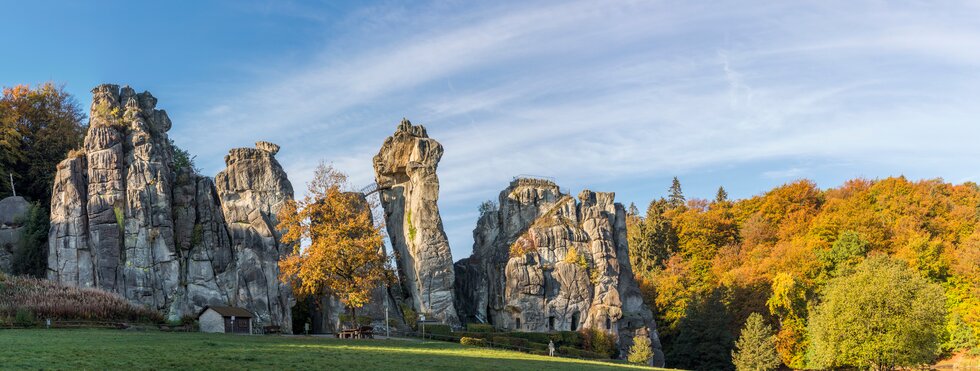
point(338, 248)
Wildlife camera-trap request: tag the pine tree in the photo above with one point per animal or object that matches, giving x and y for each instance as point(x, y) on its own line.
point(722, 195)
point(641, 351)
point(676, 198)
point(755, 349)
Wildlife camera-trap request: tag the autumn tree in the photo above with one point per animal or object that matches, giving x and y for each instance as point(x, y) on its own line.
point(344, 256)
point(755, 349)
point(641, 352)
point(38, 126)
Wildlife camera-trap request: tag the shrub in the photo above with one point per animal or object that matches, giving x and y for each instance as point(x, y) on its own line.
point(364, 320)
point(641, 351)
point(510, 341)
point(600, 342)
point(479, 327)
point(570, 338)
point(573, 257)
point(411, 318)
point(472, 341)
point(437, 329)
point(574, 352)
point(478, 335)
point(24, 318)
point(534, 337)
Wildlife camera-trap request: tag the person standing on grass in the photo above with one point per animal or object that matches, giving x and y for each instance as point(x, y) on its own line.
point(551, 348)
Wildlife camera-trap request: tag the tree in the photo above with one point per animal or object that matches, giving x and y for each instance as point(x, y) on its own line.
point(345, 257)
point(703, 340)
point(31, 254)
point(37, 129)
point(755, 349)
point(882, 316)
point(641, 352)
point(722, 195)
point(676, 197)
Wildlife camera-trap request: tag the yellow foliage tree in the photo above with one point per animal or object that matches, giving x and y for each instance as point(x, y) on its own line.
point(344, 256)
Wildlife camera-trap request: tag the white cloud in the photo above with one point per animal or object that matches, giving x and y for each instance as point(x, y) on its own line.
point(610, 92)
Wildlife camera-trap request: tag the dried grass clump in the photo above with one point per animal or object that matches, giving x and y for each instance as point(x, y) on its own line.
point(46, 299)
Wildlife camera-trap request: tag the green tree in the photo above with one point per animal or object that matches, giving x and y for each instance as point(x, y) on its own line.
point(641, 351)
point(31, 254)
point(846, 252)
point(755, 349)
point(884, 315)
point(676, 197)
point(703, 341)
point(722, 195)
point(659, 235)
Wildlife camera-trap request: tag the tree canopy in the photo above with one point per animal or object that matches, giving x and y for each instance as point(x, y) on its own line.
point(345, 256)
point(38, 126)
point(777, 253)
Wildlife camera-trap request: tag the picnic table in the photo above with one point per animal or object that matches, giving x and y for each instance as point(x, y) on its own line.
point(364, 332)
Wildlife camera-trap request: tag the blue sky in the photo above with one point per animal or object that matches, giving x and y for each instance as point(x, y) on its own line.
point(607, 95)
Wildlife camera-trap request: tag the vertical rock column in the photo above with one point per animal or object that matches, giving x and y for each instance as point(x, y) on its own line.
point(252, 189)
point(405, 170)
point(69, 255)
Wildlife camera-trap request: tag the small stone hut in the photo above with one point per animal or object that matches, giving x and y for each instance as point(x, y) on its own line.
point(219, 319)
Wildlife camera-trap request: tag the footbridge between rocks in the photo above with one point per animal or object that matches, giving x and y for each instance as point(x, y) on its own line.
point(374, 188)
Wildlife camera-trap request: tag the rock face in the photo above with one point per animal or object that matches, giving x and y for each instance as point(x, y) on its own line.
point(543, 261)
point(13, 211)
point(127, 217)
point(405, 171)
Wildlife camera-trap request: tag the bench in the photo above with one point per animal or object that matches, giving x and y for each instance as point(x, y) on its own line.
point(272, 329)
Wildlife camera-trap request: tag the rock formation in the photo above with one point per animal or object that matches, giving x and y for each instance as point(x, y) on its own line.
point(128, 217)
point(13, 211)
point(543, 261)
point(405, 171)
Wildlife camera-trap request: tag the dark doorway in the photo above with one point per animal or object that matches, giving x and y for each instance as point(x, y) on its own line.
point(575, 321)
point(551, 323)
point(518, 321)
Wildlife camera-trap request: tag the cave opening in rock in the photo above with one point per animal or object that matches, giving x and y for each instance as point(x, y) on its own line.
point(575, 321)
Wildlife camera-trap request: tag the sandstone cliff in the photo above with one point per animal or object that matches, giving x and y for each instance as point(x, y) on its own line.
point(543, 261)
point(126, 218)
point(405, 171)
point(13, 211)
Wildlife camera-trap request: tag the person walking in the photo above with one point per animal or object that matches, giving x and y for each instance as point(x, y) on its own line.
point(551, 348)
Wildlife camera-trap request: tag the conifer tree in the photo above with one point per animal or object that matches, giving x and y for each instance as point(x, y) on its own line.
point(722, 195)
point(755, 349)
point(676, 197)
point(641, 351)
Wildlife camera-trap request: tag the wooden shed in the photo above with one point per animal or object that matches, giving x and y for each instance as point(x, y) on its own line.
point(221, 319)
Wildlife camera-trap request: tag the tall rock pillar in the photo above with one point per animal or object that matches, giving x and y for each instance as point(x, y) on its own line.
point(405, 170)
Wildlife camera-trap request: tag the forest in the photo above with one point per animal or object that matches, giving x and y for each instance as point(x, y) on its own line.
point(871, 274)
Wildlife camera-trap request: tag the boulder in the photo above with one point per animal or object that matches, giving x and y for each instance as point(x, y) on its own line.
point(127, 218)
point(13, 211)
point(405, 171)
point(544, 261)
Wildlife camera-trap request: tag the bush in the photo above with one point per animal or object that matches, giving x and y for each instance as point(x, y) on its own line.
point(570, 338)
point(31, 255)
point(478, 335)
point(472, 341)
point(598, 341)
point(479, 327)
point(641, 351)
point(437, 329)
point(534, 337)
point(411, 318)
point(574, 352)
point(24, 318)
point(510, 341)
point(364, 320)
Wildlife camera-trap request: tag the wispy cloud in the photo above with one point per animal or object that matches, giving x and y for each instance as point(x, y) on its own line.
point(595, 92)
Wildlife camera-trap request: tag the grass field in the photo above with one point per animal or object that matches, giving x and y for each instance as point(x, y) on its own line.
point(120, 349)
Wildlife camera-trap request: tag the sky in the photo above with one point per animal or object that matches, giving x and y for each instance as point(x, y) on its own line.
point(615, 96)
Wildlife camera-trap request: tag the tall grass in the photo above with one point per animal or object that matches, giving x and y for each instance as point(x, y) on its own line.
point(46, 299)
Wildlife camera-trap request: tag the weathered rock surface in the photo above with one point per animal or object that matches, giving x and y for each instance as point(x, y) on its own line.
point(524, 273)
point(125, 218)
point(13, 211)
point(405, 171)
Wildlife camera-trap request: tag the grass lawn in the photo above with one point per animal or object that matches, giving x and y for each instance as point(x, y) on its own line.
point(119, 349)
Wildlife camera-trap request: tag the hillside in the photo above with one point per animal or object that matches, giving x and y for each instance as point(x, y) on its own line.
point(705, 263)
